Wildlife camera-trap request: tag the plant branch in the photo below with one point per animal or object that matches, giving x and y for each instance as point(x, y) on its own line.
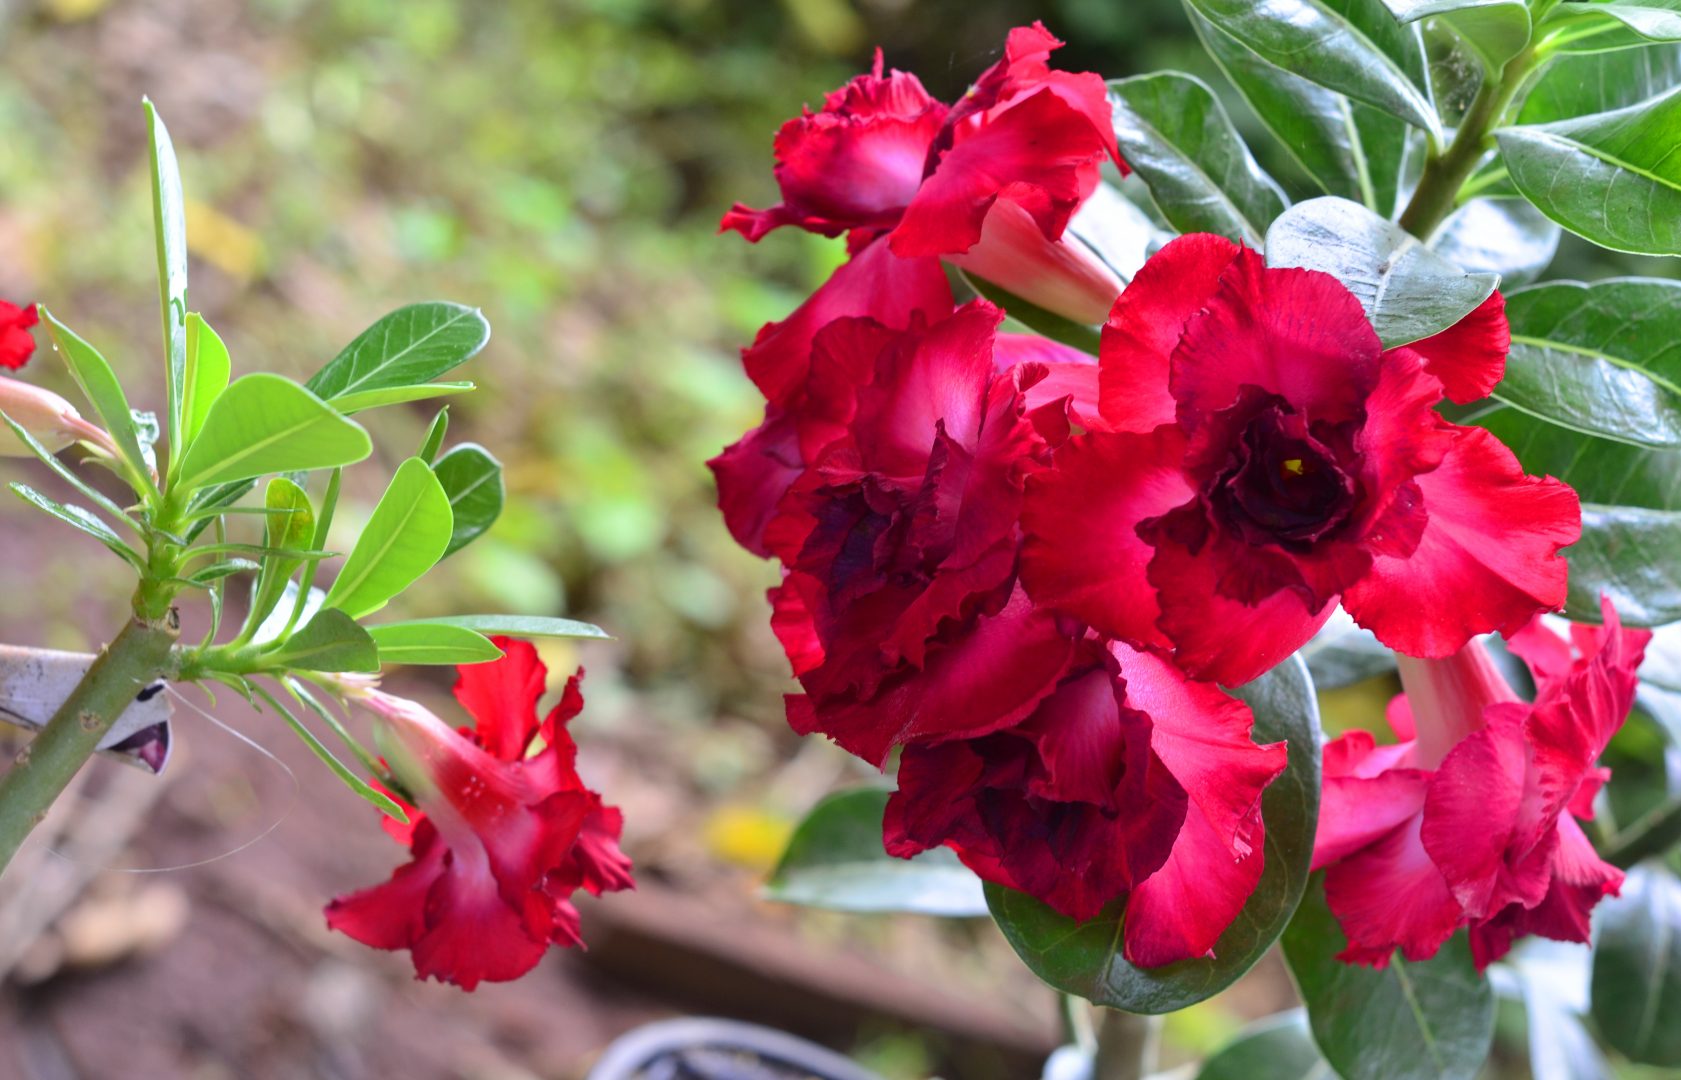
point(43, 769)
point(1126, 1046)
point(1445, 173)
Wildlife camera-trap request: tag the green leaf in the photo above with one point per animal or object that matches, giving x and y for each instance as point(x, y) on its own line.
point(1118, 231)
point(1572, 86)
point(100, 386)
point(291, 525)
point(1613, 178)
point(1602, 359)
point(1604, 25)
point(1631, 515)
point(436, 643)
point(397, 395)
point(1431, 1020)
point(1637, 968)
point(1496, 30)
point(512, 626)
point(1035, 318)
point(472, 479)
point(1355, 47)
point(79, 518)
point(169, 223)
point(412, 345)
point(1508, 237)
point(50, 460)
point(1347, 148)
point(1552, 978)
point(1176, 135)
point(1276, 1048)
point(836, 860)
point(208, 370)
point(435, 436)
point(268, 424)
point(1409, 292)
point(217, 571)
point(1342, 654)
point(406, 536)
point(1085, 959)
point(319, 749)
point(332, 641)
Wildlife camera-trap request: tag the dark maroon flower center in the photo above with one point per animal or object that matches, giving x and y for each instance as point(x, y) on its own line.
point(1284, 485)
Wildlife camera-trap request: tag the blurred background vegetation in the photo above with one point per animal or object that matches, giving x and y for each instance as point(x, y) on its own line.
point(562, 165)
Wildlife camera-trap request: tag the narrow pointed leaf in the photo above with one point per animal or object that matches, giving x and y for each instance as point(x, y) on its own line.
point(169, 223)
point(208, 372)
point(529, 626)
point(355, 783)
point(332, 641)
point(472, 479)
point(836, 860)
point(1603, 25)
point(50, 460)
point(1409, 292)
point(1085, 959)
point(267, 424)
point(100, 386)
point(406, 536)
point(1176, 135)
point(81, 519)
point(410, 346)
point(363, 400)
point(435, 436)
point(432, 643)
point(1432, 1020)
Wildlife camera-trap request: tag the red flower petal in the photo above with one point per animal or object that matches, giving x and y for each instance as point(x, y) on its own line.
point(1146, 323)
point(1299, 334)
point(874, 284)
point(855, 164)
point(1082, 553)
point(1487, 560)
point(1580, 881)
point(1356, 812)
point(1182, 909)
point(16, 343)
point(501, 697)
point(754, 474)
point(1469, 357)
point(1390, 895)
point(1062, 275)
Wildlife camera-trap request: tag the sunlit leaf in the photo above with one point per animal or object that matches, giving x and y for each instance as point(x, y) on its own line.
point(406, 536)
point(268, 424)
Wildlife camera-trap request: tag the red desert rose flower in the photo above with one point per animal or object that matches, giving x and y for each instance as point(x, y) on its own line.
point(1268, 457)
point(1470, 820)
point(1127, 782)
point(501, 836)
point(17, 345)
point(991, 183)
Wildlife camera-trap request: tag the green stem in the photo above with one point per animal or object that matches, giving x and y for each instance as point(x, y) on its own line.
point(1126, 1046)
point(43, 769)
point(1445, 173)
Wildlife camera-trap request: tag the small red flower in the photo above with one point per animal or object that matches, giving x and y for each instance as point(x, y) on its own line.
point(17, 345)
point(1269, 457)
point(1127, 782)
point(991, 183)
point(1470, 820)
point(501, 838)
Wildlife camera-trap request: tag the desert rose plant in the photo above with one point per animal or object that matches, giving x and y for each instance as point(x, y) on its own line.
point(501, 828)
point(1098, 454)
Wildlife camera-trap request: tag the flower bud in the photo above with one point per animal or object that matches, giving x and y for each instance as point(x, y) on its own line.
point(53, 421)
point(1065, 277)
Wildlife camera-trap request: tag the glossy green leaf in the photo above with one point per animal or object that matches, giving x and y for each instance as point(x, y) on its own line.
point(1085, 959)
point(1552, 980)
point(472, 479)
point(267, 424)
point(434, 440)
point(332, 641)
point(81, 519)
point(363, 400)
point(1409, 292)
point(1431, 1020)
point(1347, 148)
point(1118, 231)
point(1176, 135)
point(835, 860)
point(1613, 178)
point(169, 223)
point(1035, 318)
point(1637, 968)
point(100, 386)
point(1496, 30)
point(405, 537)
point(1603, 359)
point(1355, 47)
point(208, 371)
point(355, 783)
point(1508, 237)
point(432, 643)
point(1631, 515)
point(1602, 25)
point(1342, 654)
point(1572, 86)
point(526, 626)
point(410, 346)
point(1276, 1048)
